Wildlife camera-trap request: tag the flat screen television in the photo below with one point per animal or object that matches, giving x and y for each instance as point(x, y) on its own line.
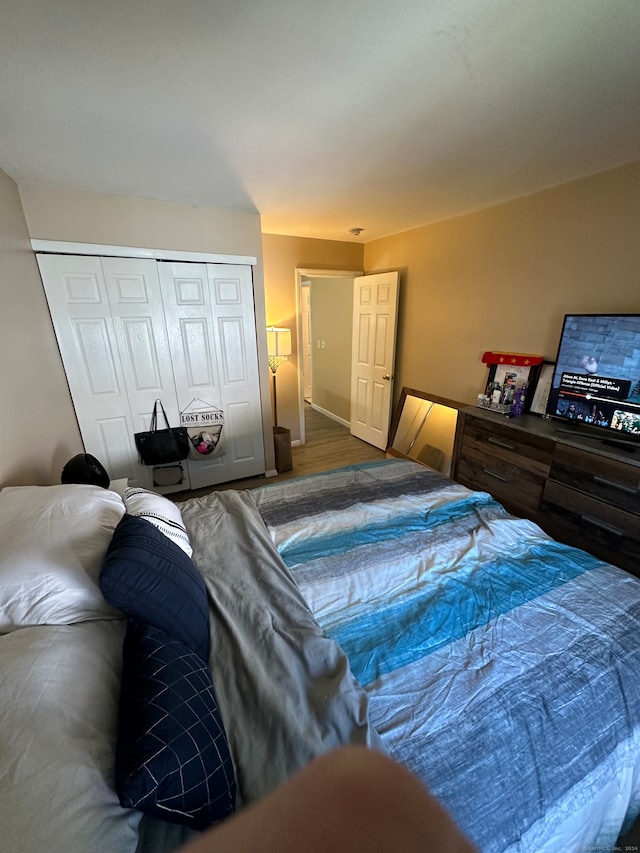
point(595, 388)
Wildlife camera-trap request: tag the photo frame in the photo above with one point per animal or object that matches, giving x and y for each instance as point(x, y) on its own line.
point(542, 388)
point(508, 373)
point(504, 380)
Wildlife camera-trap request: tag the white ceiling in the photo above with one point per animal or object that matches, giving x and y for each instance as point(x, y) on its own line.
point(322, 115)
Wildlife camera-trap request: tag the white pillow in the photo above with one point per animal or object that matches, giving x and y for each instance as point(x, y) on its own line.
point(53, 540)
point(161, 512)
point(119, 486)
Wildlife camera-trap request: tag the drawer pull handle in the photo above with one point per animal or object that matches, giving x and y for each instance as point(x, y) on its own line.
point(629, 490)
point(602, 525)
point(504, 444)
point(496, 475)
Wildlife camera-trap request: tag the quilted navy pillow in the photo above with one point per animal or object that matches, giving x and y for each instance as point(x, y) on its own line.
point(150, 578)
point(172, 754)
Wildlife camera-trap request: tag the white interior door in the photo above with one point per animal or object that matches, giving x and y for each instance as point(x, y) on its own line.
point(375, 319)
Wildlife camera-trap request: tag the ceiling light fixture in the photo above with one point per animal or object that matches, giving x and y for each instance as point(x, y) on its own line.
point(356, 232)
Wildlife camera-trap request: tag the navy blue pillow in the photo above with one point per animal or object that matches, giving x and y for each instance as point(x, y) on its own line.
point(150, 578)
point(172, 754)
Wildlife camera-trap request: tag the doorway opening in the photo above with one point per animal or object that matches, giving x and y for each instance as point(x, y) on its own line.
point(327, 339)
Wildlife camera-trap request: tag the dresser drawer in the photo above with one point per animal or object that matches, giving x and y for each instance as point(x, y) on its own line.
point(519, 489)
point(604, 479)
point(592, 512)
point(495, 441)
point(612, 534)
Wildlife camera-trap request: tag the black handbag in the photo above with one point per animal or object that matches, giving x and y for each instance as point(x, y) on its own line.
point(162, 446)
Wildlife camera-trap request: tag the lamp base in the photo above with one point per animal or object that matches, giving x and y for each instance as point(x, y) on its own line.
point(282, 447)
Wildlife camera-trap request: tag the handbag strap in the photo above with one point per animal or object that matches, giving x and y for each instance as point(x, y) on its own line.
point(154, 416)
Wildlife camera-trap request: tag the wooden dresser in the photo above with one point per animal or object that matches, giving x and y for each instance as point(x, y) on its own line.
point(579, 490)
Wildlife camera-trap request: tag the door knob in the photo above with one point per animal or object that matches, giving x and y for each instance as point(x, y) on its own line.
point(386, 376)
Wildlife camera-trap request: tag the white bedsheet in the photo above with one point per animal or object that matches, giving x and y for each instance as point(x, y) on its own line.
point(59, 692)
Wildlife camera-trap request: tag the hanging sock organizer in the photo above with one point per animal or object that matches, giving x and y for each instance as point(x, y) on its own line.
point(204, 423)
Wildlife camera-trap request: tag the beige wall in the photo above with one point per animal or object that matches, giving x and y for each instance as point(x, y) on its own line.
point(86, 217)
point(281, 257)
point(332, 316)
point(37, 423)
point(503, 278)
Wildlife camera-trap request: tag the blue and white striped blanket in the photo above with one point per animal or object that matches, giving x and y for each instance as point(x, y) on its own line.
point(502, 667)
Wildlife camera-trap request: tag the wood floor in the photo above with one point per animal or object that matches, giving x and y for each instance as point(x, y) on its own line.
point(328, 445)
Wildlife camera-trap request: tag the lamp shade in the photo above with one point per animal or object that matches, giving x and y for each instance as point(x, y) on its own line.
point(278, 341)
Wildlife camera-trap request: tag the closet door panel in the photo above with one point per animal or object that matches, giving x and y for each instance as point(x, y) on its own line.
point(93, 339)
point(211, 328)
point(231, 290)
point(198, 364)
point(81, 315)
point(139, 341)
point(201, 391)
point(242, 437)
point(188, 320)
point(185, 293)
point(115, 442)
point(234, 356)
point(135, 298)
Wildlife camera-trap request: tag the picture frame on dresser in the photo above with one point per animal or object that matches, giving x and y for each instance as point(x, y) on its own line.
point(507, 378)
point(542, 388)
point(510, 382)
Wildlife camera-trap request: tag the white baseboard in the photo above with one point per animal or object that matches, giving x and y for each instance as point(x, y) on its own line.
point(331, 415)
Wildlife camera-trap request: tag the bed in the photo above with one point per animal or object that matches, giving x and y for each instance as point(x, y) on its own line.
point(380, 604)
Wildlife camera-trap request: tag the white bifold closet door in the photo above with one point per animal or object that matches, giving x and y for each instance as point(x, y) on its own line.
point(210, 320)
point(112, 326)
point(109, 321)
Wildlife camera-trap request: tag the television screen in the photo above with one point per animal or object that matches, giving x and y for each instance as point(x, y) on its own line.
point(596, 380)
